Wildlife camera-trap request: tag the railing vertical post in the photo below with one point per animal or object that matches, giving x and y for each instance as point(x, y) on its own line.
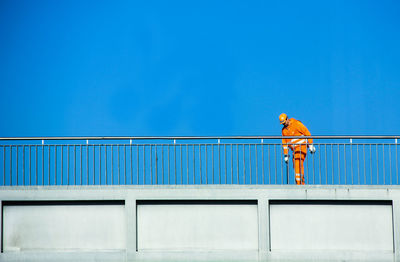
point(358, 166)
point(169, 169)
point(370, 162)
point(351, 161)
point(36, 165)
point(237, 163)
point(125, 164)
point(42, 163)
point(200, 165)
point(168, 165)
point(94, 164)
point(281, 162)
point(180, 147)
point(319, 155)
point(345, 164)
point(333, 166)
point(306, 164)
point(390, 163)
point(100, 164)
point(307, 175)
point(226, 175)
point(187, 164)
point(162, 160)
point(156, 176)
point(23, 164)
point(397, 164)
point(206, 162)
point(74, 164)
point(231, 164)
point(30, 167)
point(131, 160)
point(194, 165)
point(338, 149)
point(81, 173)
point(119, 163)
point(276, 175)
point(10, 165)
point(244, 164)
point(87, 162)
point(62, 165)
point(175, 162)
point(313, 163)
point(67, 164)
point(151, 164)
point(212, 162)
point(17, 164)
point(262, 161)
point(49, 153)
point(383, 164)
point(377, 165)
point(55, 165)
point(326, 164)
point(144, 165)
point(365, 176)
point(269, 165)
point(219, 161)
point(4, 165)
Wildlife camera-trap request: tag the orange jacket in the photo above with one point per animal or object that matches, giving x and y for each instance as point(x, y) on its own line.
point(295, 128)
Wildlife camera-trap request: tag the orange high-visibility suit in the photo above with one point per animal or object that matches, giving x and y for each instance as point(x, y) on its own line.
point(298, 146)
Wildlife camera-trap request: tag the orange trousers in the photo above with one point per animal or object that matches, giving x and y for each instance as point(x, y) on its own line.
point(298, 165)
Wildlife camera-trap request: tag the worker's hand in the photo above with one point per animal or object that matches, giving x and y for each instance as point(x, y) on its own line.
point(312, 149)
point(286, 158)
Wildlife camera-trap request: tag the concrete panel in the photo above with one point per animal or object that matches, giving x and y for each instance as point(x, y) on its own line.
point(331, 227)
point(64, 227)
point(197, 227)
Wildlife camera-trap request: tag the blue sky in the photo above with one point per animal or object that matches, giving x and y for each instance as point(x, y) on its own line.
point(133, 68)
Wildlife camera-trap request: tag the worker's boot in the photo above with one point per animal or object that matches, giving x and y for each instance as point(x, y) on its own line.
point(298, 179)
point(302, 180)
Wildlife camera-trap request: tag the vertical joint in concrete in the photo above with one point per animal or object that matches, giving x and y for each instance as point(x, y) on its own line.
point(1, 227)
point(131, 234)
point(396, 227)
point(263, 227)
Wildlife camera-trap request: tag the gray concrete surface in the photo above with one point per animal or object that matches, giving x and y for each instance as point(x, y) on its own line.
point(64, 228)
point(331, 227)
point(368, 251)
point(197, 227)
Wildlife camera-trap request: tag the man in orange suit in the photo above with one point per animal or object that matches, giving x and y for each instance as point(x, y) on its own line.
point(293, 127)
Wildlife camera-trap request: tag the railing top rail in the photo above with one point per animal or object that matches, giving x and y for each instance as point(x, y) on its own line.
point(190, 137)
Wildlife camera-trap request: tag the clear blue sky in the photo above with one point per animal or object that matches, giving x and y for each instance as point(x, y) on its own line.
point(129, 68)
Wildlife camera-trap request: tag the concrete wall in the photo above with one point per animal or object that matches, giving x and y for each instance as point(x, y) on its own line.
point(63, 227)
point(201, 223)
point(201, 226)
point(331, 226)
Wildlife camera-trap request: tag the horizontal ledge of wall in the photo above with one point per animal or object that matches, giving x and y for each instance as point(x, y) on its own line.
point(198, 256)
point(63, 202)
point(328, 202)
point(197, 202)
point(63, 256)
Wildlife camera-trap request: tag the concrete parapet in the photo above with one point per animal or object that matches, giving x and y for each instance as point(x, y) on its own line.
point(200, 223)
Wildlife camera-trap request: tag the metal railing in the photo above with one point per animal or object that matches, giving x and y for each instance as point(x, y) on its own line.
point(339, 160)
